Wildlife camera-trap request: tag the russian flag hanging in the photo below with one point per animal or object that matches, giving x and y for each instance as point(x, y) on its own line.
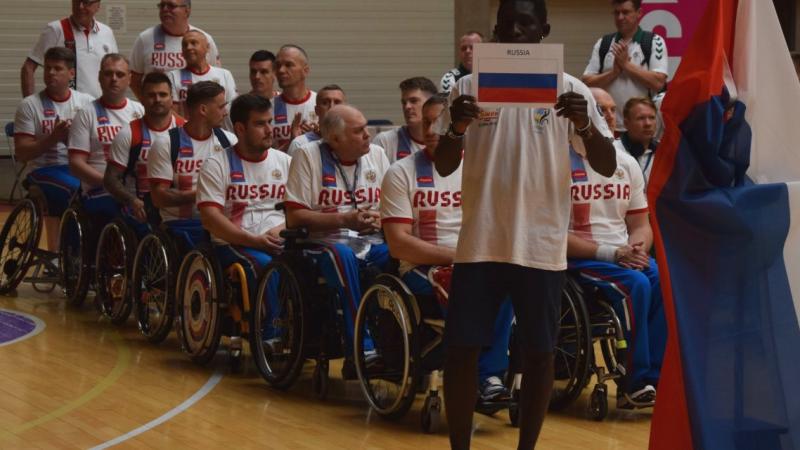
point(725, 196)
point(518, 87)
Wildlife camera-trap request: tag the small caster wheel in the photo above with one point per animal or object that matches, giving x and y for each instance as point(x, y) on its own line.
point(320, 382)
point(598, 405)
point(431, 414)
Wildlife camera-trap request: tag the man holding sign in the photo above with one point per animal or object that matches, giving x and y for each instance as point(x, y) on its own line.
point(516, 208)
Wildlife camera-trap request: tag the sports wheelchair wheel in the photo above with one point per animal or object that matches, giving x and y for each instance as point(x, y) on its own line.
point(115, 251)
point(573, 350)
point(19, 238)
point(201, 287)
point(153, 285)
point(278, 321)
point(76, 257)
point(389, 317)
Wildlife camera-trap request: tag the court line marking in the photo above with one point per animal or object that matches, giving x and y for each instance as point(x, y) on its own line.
point(40, 326)
point(123, 361)
point(188, 403)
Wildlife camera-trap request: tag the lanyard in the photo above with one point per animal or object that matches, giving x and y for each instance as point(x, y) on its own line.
point(352, 190)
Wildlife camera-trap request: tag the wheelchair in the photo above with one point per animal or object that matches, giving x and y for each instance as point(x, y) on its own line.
point(114, 263)
point(211, 303)
point(587, 318)
point(298, 316)
point(20, 250)
point(406, 331)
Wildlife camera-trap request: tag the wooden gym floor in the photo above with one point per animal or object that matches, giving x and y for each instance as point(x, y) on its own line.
point(76, 381)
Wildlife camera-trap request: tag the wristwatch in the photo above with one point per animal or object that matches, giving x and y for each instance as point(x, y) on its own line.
point(451, 133)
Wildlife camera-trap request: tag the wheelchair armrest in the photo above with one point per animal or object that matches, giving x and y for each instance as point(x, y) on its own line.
point(294, 233)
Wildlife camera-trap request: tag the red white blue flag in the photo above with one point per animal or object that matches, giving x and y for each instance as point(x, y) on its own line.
point(725, 196)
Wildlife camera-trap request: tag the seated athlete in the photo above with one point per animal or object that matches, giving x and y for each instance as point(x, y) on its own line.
point(608, 247)
point(408, 139)
point(327, 97)
point(126, 173)
point(421, 217)
point(334, 189)
point(92, 132)
point(173, 164)
point(239, 187)
point(41, 128)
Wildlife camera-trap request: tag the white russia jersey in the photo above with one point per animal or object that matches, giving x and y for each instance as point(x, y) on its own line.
point(413, 192)
point(182, 79)
point(94, 129)
point(316, 183)
point(36, 116)
point(398, 143)
point(158, 51)
point(137, 134)
point(302, 141)
point(245, 190)
point(91, 45)
point(601, 204)
point(624, 86)
point(283, 112)
point(182, 175)
point(515, 181)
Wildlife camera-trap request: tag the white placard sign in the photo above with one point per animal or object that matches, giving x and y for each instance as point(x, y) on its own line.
point(518, 75)
point(116, 18)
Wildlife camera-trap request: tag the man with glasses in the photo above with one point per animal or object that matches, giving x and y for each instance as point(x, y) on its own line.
point(81, 33)
point(158, 48)
point(629, 63)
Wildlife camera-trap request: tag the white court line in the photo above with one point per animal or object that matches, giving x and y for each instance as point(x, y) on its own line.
point(208, 387)
point(36, 330)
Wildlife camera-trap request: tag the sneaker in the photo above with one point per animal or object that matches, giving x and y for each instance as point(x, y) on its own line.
point(642, 398)
point(273, 345)
point(492, 390)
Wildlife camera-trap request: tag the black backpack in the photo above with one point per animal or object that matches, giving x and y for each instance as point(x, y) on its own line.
point(646, 43)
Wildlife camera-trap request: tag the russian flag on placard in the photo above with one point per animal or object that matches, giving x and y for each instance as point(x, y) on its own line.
point(725, 196)
point(518, 87)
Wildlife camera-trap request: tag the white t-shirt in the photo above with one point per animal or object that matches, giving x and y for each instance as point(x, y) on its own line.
point(600, 204)
point(413, 192)
point(302, 141)
point(624, 87)
point(183, 173)
point(245, 190)
point(283, 112)
point(90, 47)
point(36, 116)
point(94, 129)
point(515, 182)
point(137, 133)
point(182, 79)
point(398, 143)
point(156, 50)
point(316, 183)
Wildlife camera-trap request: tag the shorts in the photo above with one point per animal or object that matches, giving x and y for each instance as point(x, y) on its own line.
point(479, 289)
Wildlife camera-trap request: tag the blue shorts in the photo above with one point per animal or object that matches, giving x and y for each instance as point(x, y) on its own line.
point(57, 185)
point(477, 292)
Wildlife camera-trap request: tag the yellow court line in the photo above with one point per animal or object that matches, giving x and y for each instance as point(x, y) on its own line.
point(123, 361)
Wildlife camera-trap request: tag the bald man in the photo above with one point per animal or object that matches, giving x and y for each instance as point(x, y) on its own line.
point(334, 190)
point(606, 105)
point(294, 108)
point(195, 47)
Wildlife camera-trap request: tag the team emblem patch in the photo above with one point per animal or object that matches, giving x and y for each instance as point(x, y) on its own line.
point(277, 174)
point(137, 115)
point(49, 112)
point(237, 177)
point(106, 49)
point(329, 179)
point(186, 152)
point(620, 173)
point(371, 176)
point(579, 175)
point(218, 148)
point(159, 46)
point(541, 118)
